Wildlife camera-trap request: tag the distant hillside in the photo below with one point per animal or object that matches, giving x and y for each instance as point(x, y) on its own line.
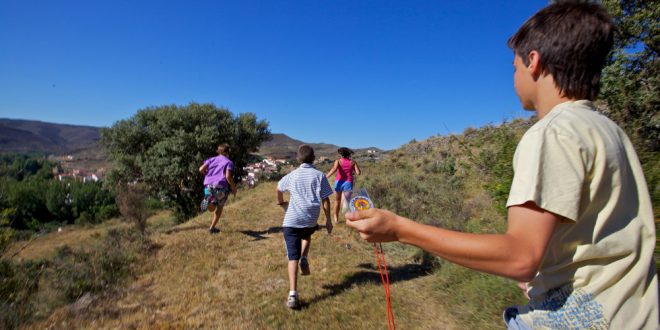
point(283, 146)
point(18, 135)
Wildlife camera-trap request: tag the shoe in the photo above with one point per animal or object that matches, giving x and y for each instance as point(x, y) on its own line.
point(292, 302)
point(214, 230)
point(304, 266)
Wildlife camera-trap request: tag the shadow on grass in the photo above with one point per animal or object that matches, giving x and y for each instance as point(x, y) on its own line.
point(176, 230)
point(369, 275)
point(259, 235)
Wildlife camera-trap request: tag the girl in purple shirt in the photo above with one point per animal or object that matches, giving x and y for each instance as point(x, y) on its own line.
point(218, 181)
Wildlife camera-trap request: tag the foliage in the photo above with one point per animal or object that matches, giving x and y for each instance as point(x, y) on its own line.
point(164, 147)
point(18, 284)
point(30, 197)
point(134, 206)
point(631, 81)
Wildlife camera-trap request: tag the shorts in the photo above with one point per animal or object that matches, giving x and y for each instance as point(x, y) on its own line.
point(512, 319)
point(293, 240)
point(343, 186)
point(216, 194)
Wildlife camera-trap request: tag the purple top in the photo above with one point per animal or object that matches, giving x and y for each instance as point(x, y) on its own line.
point(217, 166)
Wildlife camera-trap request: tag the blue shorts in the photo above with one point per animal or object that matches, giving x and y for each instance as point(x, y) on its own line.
point(343, 186)
point(293, 240)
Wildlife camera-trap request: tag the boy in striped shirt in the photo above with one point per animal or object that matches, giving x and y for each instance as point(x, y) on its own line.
point(308, 190)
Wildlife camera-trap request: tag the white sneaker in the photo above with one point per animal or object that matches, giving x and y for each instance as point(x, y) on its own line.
point(292, 302)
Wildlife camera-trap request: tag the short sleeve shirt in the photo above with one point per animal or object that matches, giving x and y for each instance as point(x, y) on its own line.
point(307, 187)
point(598, 270)
point(217, 167)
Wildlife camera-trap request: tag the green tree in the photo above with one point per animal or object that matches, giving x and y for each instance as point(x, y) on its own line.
point(631, 82)
point(58, 201)
point(164, 147)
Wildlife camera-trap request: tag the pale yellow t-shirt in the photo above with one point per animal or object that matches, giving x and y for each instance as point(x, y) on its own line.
point(598, 271)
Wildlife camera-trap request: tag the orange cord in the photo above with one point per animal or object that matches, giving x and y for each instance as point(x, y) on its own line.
point(385, 278)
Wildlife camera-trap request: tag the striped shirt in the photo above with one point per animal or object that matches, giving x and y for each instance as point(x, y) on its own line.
point(307, 187)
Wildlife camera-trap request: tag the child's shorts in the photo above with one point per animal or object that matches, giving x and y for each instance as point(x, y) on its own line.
point(219, 194)
point(343, 186)
point(293, 240)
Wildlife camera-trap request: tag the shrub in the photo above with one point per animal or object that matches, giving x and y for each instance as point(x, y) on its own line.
point(132, 201)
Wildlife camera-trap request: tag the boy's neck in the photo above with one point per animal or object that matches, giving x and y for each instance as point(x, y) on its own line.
point(548, 96)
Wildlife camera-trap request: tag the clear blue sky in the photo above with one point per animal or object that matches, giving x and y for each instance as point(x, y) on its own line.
point(352, 73)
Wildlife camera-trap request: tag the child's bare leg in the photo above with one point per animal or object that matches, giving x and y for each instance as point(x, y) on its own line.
point(216, 216)
point(293, 275)
point(336, 207)
point(305, 246)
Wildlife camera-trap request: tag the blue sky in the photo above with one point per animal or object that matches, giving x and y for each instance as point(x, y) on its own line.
point(352, 73)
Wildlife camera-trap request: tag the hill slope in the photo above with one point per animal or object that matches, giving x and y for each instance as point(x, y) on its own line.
point(18, 135)
point(237, 279)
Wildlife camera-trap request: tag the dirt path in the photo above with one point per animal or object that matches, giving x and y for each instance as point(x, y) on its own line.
point(237, 280)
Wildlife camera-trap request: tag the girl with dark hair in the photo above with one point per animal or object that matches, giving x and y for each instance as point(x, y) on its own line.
point(345, 167)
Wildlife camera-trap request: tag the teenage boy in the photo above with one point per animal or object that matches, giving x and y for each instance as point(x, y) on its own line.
point(308, 190)
point(581, 230)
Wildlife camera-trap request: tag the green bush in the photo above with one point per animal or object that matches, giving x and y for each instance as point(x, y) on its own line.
point(18, 283)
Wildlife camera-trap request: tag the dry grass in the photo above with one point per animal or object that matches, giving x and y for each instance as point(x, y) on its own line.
point(237, 280)
point(44, 246)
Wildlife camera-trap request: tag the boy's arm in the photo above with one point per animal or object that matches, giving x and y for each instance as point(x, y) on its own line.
point(515, 254)
point(326, 210)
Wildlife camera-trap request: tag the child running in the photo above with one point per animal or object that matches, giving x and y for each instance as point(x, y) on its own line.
point(581, 230)
point(308, 190)
point(345, 167)
point(218, 181)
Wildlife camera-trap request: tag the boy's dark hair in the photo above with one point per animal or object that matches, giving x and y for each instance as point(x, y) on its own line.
point(306, 154)
point(573, 40)
point(345, 152)
point(223, 149)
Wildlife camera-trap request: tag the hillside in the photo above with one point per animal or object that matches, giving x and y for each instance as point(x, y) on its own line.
point(27, 136)
point(283, 146)
point(237, 279)
point(18, 135)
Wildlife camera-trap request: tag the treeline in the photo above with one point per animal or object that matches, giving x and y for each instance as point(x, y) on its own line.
point(30, 197)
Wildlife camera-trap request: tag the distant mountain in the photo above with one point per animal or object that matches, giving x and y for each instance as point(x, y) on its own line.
point(18, 135)
point(283, 146)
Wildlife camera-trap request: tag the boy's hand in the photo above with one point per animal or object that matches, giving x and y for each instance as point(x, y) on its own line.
point(284, 205)
point(328, 226)
point(523, 287)
point(233, 190)
point(374, 225)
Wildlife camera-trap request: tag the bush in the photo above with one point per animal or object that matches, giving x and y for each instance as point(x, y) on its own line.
point(18, 283)
point(70, 274)
point(133, 204)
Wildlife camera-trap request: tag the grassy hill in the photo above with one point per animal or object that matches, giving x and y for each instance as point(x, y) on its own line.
point(237, 279)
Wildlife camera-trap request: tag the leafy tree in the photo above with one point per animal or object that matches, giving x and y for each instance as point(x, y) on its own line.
point(58, 201)
point(631, 82)
point(164, 147)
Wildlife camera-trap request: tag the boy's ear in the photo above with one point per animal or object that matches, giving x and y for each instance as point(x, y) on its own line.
point(534, 66)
